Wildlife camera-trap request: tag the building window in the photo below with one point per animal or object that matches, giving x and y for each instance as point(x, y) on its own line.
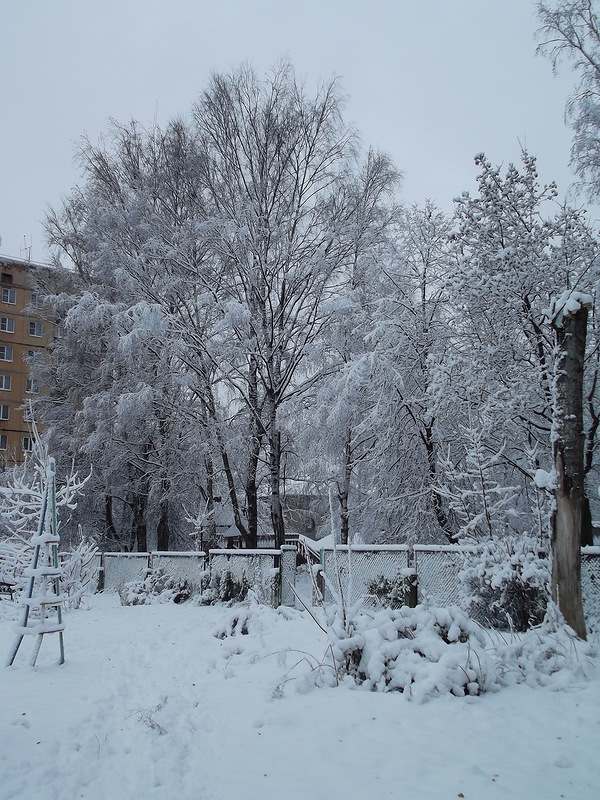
point(9, 296)
point(7, 324)
point(4, 412)
point(36, 301)
point(36, 329)
point(6, 353)
point(5, 381)
point(29, 414)
point(30, 386)
point(3, 442)
point(6, 277)
point(27, 444)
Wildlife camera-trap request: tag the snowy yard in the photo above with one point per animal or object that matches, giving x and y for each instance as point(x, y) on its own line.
point(152, 704)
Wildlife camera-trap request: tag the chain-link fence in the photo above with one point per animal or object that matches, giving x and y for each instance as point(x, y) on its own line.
point(371, 573)
point(590, 583)
point(234, 572)
point(363, 571)
point(122, 568)
point(437, 568)
point(185, 567)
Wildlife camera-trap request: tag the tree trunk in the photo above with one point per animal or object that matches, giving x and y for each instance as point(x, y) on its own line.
point(276, 506)
point(251, 489)
point(344, 490)
point(139, 539)
point(569, 465)
point(251, 494)
point(275, 476)
point(426, 435)
point(110, 529)
point(162, 529)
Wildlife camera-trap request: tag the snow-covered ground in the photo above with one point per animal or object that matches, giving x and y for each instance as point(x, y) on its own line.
point(157, 701)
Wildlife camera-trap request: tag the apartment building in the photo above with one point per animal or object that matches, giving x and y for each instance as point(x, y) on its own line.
point(23, 331)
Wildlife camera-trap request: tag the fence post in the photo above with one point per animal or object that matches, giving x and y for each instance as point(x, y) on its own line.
point(410, 587)
point(287, 568)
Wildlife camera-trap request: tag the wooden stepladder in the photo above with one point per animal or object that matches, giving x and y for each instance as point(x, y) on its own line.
point(43, 601)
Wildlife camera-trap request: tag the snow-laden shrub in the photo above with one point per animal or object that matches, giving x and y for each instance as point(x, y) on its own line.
point(15, 557)
point(392, 592)
point(155, 588)
point(422, 652)
point(550, 655)
point(80, 570)
point(237, 623)
point(387, 592)
point(226, 588)
point(505, 584)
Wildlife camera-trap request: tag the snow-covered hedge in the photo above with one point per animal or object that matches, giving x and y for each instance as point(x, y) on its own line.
point(548, 655)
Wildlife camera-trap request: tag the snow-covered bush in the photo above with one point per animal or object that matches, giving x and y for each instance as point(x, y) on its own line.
point(505, 584)
point(236, 624)
point(420, 652)
point(80, 569)
point(390, 592)
point(155, 588)
point(225, 588)
point(15, 557)
point(549, 655)
point(387, 591)
point(21, 506)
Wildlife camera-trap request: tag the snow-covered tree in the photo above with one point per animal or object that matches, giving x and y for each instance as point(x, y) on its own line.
point(409, 337)
point(210, 257)
point(274, 160)
point(116, 372)
point(512, 248)
point(367, 219)
point(570, 32)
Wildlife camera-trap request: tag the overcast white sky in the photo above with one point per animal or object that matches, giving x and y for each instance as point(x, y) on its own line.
point(432, 82)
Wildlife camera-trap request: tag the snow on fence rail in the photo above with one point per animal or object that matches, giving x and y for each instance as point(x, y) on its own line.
point(361, 568)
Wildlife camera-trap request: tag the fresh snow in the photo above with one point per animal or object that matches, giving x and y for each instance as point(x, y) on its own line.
point(570, 302)
point(212, 703)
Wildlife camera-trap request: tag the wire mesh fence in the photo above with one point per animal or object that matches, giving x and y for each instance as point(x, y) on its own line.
point(122, 568)
point(437, 568)
point(362, 571)
point(189, 568)
point(590, 583)
point(237, 571)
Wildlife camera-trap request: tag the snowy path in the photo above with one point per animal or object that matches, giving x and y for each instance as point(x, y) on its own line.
point(151, 704)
